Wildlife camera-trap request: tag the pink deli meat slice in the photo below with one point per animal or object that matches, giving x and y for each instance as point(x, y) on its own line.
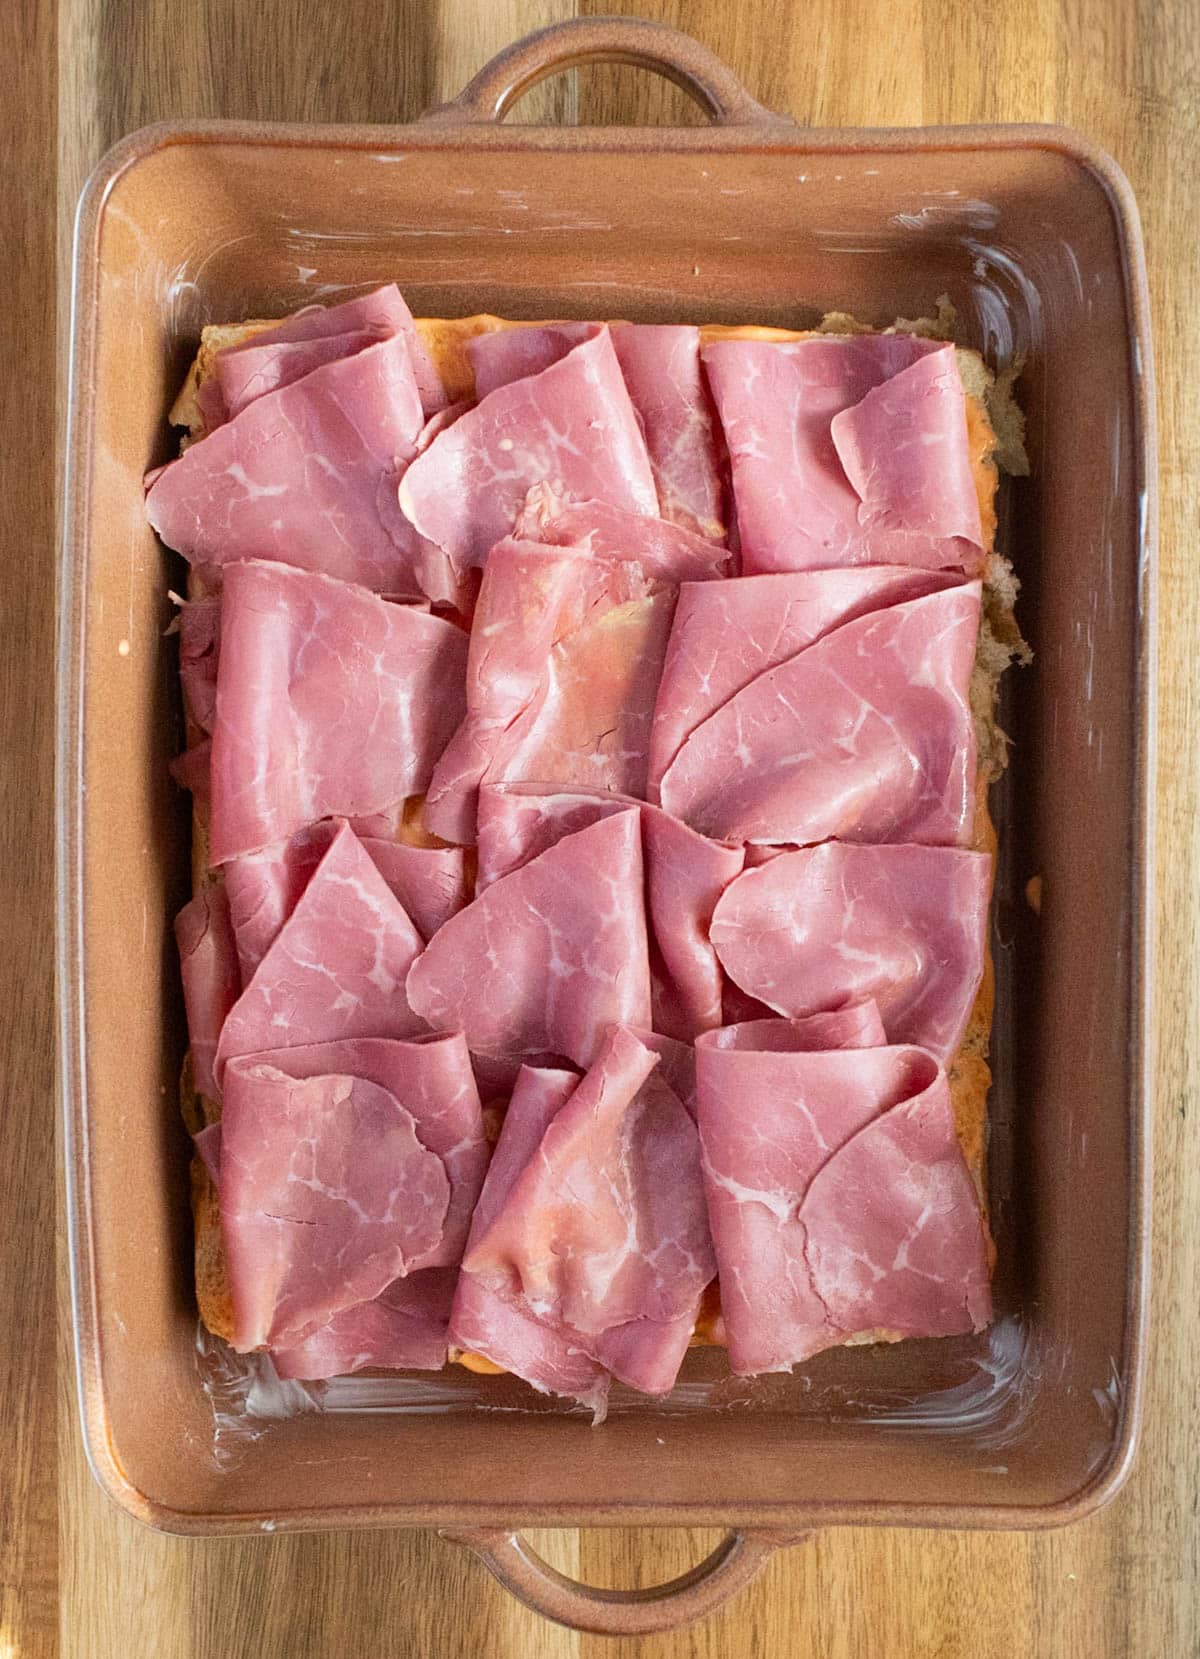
point(199, 653)
point(828, 925)
point(430, 882)
point(547, 958)
point(666, 552)
point(264, 887)
point(327, 1196)
point(211, 983)
point(405, 1326)
point(329, 701)
point(192, 770)
point(822, 1229)
point(493, 1319)
point(796, 506)
point(685, 876)
point(320, 334)
point(432, 1078)
point(904, 449)
point(725, 634)
point(855, 1025)
point(591, 726)
point(604, 1231)
point(277, 355)
point(572, 427)
point(401, 1329)
point(244, 373)
point(337, 967)
point(304, 475)
point(507, 354)
point(661, 365)
point(895, 1238)
point(562, 676)
point(676, 1064)
point(865, 735)
point(531, 599)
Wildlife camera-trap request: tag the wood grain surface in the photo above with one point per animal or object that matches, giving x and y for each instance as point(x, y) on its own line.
point(80, 1579)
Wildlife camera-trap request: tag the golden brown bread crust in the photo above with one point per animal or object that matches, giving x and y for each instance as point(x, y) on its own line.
point(996, 434)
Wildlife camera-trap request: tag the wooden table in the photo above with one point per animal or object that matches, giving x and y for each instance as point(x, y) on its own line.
point(81, 1579)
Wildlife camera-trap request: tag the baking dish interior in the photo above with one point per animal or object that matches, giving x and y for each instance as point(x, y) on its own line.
point(1017, 1425)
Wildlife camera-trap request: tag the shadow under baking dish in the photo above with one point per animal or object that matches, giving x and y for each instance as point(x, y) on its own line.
point(1027, 232)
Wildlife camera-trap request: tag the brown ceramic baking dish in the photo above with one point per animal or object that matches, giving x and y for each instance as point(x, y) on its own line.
point(1034, 236)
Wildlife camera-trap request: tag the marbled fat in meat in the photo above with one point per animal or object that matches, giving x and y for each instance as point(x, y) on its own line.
point(548, 957)
point(330, 700)
point(685, 877)
point(824, 926)
point(337, 967)
point(779, 403)
point(822, 1229)
point(865, 735)
point(725, 634)
point(572, 426)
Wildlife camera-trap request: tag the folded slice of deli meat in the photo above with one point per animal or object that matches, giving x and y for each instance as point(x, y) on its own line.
point(725, 634)
point(432, 1075)
point(336, 968)
point(572, 426)
point(660, 364)
point(685, 876)
point(562, 675)
point(275, 357)
point(493, 1319)
point(549, 956)
point(307, 474)
point(824, 926)
point(329, 700)
point(838, 1195)
point(327, 1195)
point(829, 468)
point(865, 735)
point(603, 1233)
point(904, 450)
point(503, 355)
point(264, 887)
point(402, 1329)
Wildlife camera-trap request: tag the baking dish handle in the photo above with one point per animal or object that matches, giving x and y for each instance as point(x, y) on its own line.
point(737, 1559)
point(581, 40)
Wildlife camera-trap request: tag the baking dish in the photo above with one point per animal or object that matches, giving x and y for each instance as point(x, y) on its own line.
point(1033, 235)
